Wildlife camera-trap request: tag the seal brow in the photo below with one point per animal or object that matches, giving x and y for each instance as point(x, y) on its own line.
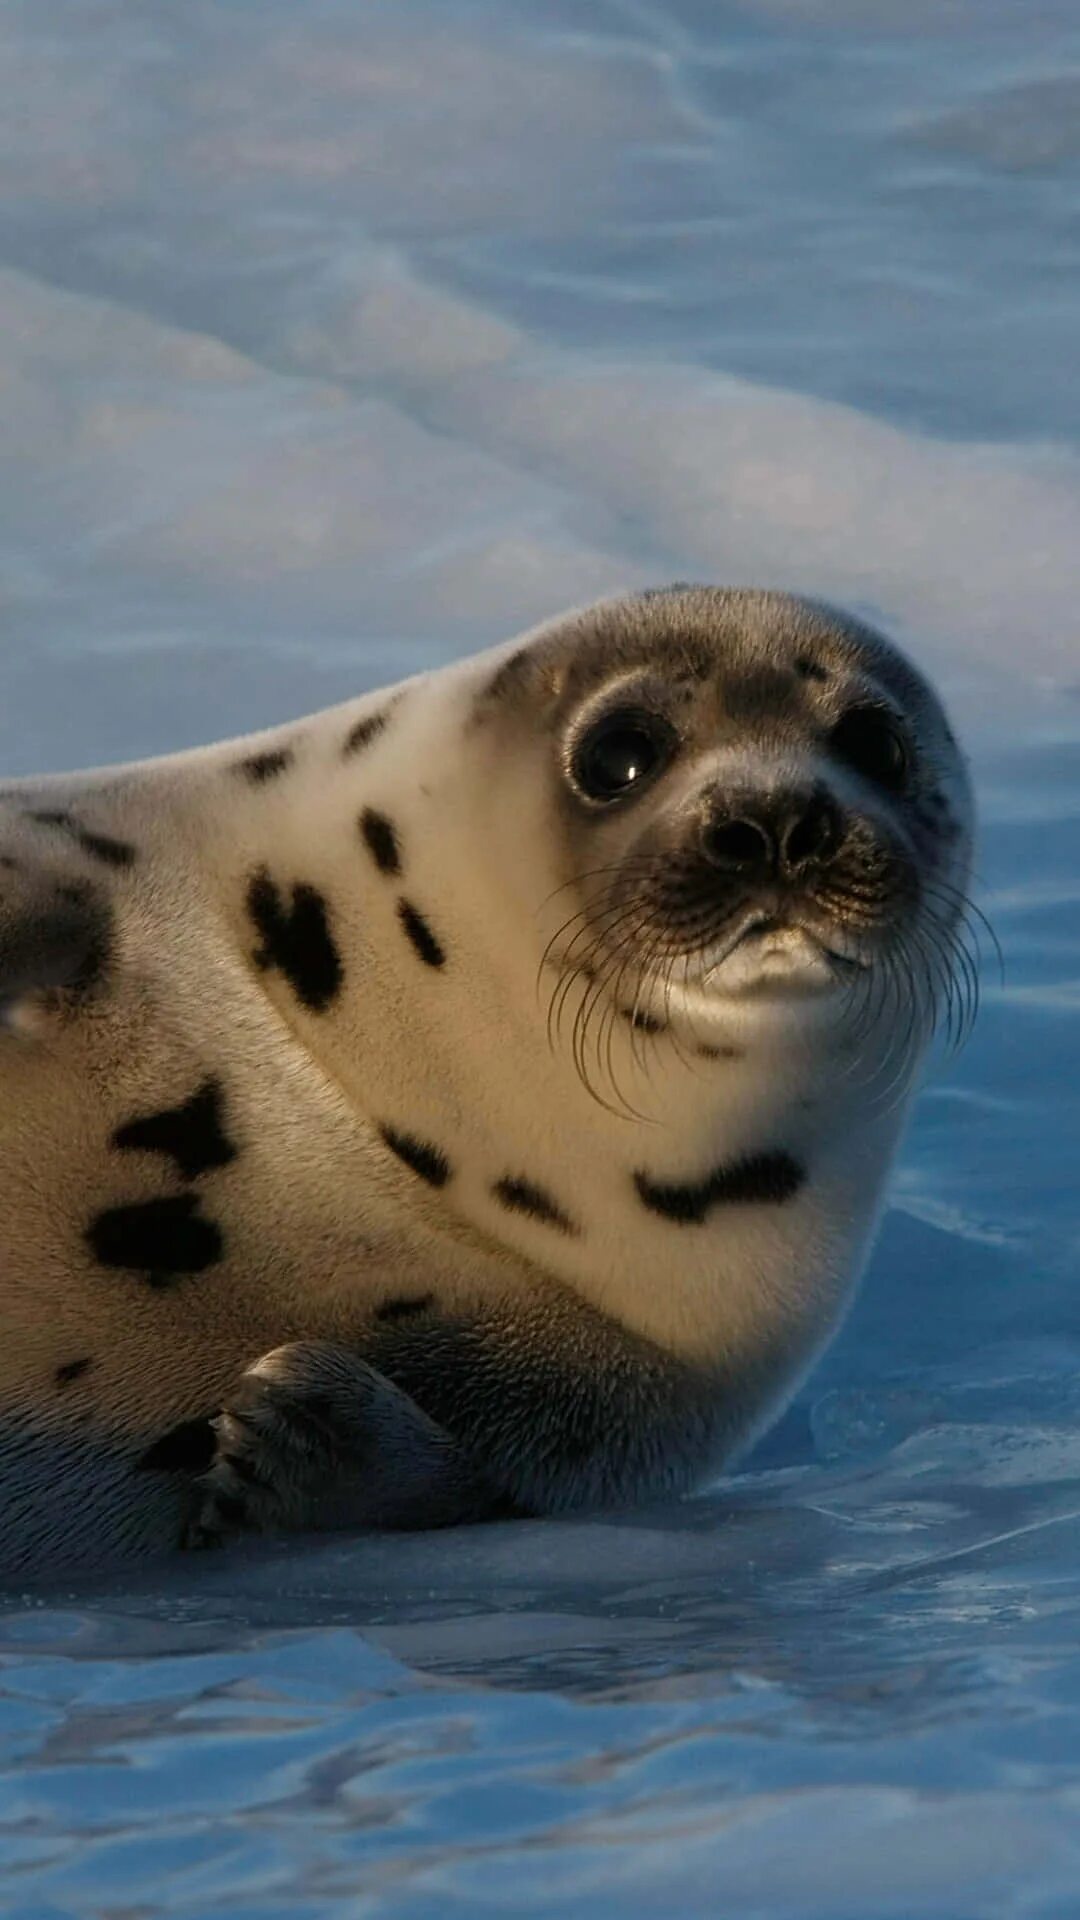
point(759, 1178)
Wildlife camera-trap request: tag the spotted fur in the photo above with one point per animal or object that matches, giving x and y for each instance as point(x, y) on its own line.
point(525, 1196)
point(258, 768)
point(424, 942)
point(759, 1179)
point(380, 837)
point(162, 1239)
point(296, 940)
point(424, 1159)
point(338, 1184)
point(192, 1135)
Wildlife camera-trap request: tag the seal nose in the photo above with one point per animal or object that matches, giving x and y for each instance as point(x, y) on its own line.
point(768, 836)
point(811, 831)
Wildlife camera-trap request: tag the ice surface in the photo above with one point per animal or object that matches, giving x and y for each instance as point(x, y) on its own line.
point(340, 339)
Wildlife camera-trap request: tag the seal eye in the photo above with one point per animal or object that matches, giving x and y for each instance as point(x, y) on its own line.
point(868, 741)
point(621, 753)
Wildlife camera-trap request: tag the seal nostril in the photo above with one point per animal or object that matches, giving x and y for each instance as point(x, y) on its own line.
point(811, 834)
point(741, 846)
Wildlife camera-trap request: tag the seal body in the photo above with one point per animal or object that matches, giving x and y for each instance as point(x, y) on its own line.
point(476, 1098)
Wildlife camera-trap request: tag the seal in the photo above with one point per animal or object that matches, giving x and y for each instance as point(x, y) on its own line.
point(474, 1099)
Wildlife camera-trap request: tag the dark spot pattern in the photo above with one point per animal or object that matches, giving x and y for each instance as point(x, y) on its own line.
point(261, 767)
point(808, 669)
point(9, 863)
point(381, 840)
point(296, 940)
point(429, 1162)
point(72, 1370)
point(159, 1238)
point(364, 732)
point(100, 846)
point(524, 1196)
point(423, 940)
point(114, 853)
point(187, 1448)
point(191, 1134)
point(759, 1178)
point(404, 1306)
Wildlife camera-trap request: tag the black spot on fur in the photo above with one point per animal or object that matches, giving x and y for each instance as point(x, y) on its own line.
point(160, 1238)
point(423, 940)
point(187, 1448)
point(381, 840)
point(100, 846)
point(296, 940)
point(364, 732)
point(114, 853)
point(808, 669)
point(761, 1177)
point(424, 1159)
point(401, 1308)
point(72, 1370)
point(191, 1134)
point(260, 767)
point(9, 863)
point(523, 1196)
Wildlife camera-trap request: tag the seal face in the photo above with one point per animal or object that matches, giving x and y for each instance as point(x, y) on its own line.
point(474, 1099)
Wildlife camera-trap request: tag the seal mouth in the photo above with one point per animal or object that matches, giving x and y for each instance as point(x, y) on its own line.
point(771, 951)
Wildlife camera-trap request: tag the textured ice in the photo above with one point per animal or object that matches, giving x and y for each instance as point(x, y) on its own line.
point(345, 338)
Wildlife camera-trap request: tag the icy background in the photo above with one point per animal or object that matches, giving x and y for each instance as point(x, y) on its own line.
point(340, 338)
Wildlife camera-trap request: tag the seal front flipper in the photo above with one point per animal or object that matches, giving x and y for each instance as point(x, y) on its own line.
point(529, 1406)
point(315, 1437)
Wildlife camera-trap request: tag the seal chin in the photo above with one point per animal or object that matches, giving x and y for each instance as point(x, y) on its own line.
point(772, 957)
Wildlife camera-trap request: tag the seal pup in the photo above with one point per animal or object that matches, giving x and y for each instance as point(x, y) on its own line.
point(474, 1099)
